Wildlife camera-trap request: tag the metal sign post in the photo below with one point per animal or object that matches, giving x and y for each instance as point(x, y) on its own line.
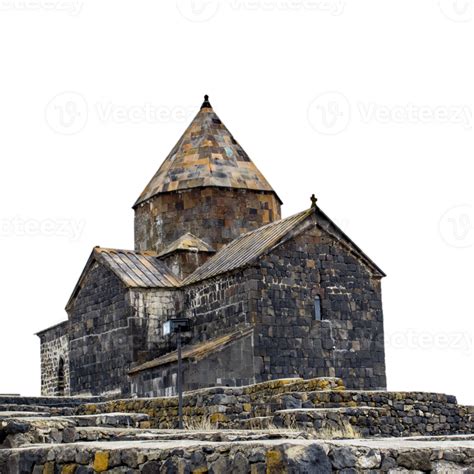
point(180, 382)
point(178, 326)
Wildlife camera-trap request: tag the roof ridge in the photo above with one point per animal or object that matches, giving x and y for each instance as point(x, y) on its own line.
point(246, 248)
point(308, 211)
point(148, 253)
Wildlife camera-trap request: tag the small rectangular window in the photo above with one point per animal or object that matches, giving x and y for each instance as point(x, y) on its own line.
point(317, 308)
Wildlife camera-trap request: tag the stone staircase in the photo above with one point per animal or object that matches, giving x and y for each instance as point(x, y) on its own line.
point(84, 435)
point(320, 407)
point(362, 414)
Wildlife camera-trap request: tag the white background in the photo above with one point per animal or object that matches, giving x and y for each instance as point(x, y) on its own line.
point(367, 104)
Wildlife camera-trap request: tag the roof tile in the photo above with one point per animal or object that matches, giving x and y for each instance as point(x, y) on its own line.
point(137, 269)
point(246, 248)
point(206, 155)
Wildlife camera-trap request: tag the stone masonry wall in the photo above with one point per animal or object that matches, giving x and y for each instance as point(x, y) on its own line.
point(215, 215)
point(219, 305)
point(225, 407)
point(309, 405)
point(101, 338)
point(347, 342)
point(258, 457)
point(184, 262)
point(215, 307)
point(150, 309)
point(231, 366)
point(54, 349)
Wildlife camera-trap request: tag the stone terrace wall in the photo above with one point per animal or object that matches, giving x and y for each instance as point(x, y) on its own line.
point(399, 413)
point(370, 413)
point(54, 348)
point(224, 407)
point(271, 457)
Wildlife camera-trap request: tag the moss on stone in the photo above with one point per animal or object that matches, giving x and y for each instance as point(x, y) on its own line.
point(48, 468)
point(218, 417)
point(274, 462)
point(69, 469)
point(101, 461)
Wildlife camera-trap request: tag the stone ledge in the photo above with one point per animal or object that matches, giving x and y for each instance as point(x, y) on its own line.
point(255, 457)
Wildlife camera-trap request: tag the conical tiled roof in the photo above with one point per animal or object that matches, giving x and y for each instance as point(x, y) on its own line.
point(206, 155)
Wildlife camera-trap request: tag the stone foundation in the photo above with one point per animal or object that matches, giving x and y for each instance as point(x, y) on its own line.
point(280, 426)
point(281, 456)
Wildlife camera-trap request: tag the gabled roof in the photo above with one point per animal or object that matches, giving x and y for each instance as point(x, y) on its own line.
point(246, 248)
point(137, 269)
point(206, 155)
point(134, 269)
point(187, 242)
point(195, 352)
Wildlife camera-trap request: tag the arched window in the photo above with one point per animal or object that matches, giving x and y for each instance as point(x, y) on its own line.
point(60, 386)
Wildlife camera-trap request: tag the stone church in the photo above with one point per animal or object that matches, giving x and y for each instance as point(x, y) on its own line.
point(266, 297)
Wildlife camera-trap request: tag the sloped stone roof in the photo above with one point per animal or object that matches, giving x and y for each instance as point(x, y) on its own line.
point(246, 248)
point(206, 155)
point(134, 269)
point(197, 351)
point(137, 269)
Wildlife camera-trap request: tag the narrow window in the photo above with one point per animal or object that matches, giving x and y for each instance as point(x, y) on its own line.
point(317, 308)
point(60, 388)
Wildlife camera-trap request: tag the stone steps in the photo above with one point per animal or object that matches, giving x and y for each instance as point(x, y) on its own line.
point(89, 434)
point(271, 455)
point(52, 410)
point(23, 414)
point(123, 420)
point(323, 423)
point(22, 430)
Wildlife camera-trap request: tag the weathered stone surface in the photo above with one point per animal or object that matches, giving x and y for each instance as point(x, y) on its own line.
point(215, 215)
point(270, 456)
point(55, 377)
